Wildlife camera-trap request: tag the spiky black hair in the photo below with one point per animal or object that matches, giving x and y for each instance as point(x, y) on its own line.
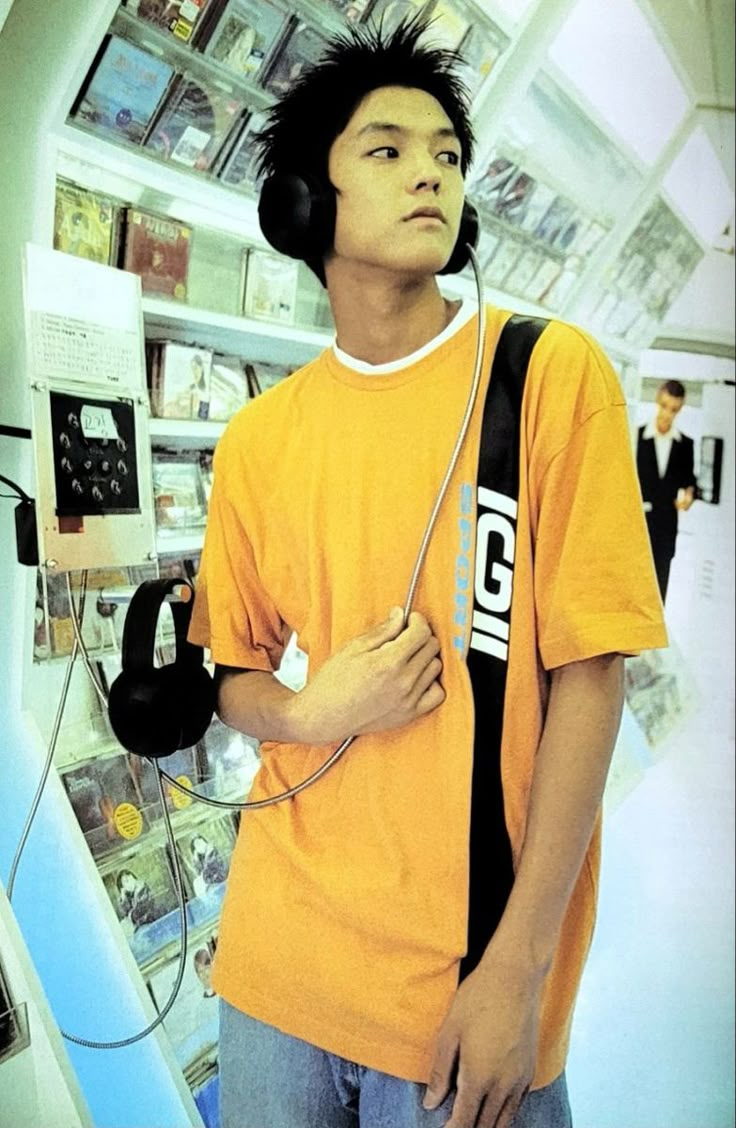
point(303, 124)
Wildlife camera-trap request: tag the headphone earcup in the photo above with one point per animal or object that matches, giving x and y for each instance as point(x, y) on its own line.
point(297, 215)
point(468, 233)
point(196, 700)
point(141, 713)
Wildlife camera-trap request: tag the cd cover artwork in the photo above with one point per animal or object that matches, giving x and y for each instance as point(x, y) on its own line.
point(304, 46)
point(194, 124)
point(85, 223)
point(123, 91)
point(245, 34)
point(157, 249)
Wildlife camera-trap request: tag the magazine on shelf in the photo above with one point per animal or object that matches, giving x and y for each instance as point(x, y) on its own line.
point(85, 223)
point(488, 243)
point(158, 250)
point(123, 90)
point(179, 500)
point(559, 212)
point(570, 235)
point(270, 286)
point(541, 284)
point(180, 17)
point(537, 205)
point(512, 201)
point(301, 46)
point(239, 166)
point(228, 386)
point(523, 273)
point(558, 292)
point(194, 123)
point(503, 261)
point(244, 35)
point(182, 381)
point(589, 238)
point(192, 1023)
point(496, 173)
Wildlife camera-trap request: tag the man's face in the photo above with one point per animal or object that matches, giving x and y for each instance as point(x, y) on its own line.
point(667, 408)
point(397, 157)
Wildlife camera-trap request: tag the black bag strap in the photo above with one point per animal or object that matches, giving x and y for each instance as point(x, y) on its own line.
point(491, 865)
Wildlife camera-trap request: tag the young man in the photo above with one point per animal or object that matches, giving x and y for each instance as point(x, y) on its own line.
point(352, 994)
point(664, 461)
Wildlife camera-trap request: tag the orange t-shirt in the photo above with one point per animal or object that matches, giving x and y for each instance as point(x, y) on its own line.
point(346, 911)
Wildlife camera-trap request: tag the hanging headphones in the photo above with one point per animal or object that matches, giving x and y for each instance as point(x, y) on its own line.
point(155, 711)
point(297, 217)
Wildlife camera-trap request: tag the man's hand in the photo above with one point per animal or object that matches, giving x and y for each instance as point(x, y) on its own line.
point(381, 680)
point(490, 1039)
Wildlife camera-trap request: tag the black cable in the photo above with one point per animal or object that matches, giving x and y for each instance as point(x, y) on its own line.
point(19, 492)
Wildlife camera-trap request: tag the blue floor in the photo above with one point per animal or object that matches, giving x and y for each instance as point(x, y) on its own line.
point(653, 1040)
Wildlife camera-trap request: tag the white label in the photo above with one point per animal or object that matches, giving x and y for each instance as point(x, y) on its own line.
point(190, 146)
point(97, 422)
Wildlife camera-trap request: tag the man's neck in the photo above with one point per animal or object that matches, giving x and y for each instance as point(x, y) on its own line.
point(380, 317)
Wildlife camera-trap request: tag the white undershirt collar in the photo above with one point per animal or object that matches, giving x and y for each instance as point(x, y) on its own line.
point(463, 315)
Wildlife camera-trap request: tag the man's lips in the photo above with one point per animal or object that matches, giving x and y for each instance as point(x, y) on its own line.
point(426, 213)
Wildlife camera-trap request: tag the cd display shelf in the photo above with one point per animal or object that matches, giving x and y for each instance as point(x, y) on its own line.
point(130, 172)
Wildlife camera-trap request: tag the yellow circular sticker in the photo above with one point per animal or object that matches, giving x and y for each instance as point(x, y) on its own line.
point(178, 798)
point(180, 290)
point(128, 820)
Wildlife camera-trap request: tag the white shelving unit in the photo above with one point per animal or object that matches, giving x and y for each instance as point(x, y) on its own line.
point(262, 340)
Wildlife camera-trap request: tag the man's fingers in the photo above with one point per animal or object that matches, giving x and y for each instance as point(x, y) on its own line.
point(415, 634)
point(442, 1070)
point(391, 627)
point(492, 1118)
point(466, 1107)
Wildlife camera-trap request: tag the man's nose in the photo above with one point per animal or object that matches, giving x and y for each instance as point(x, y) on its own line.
point(425, 174)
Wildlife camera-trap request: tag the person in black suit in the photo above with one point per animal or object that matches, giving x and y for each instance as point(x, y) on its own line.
point(664, 460)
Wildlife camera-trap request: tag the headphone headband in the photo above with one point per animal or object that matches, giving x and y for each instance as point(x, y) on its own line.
point(141, 621)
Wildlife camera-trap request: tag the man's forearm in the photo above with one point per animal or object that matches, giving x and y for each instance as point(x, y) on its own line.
point(257, 703)
point(572, 762)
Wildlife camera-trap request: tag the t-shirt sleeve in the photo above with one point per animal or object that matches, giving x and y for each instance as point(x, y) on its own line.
point(233, 613)
point(594, 579)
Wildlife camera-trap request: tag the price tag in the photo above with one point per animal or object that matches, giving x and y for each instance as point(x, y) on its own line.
point(97, 422)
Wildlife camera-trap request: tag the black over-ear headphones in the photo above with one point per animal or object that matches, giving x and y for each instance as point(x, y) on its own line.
point(155, 711)
point(297, 217)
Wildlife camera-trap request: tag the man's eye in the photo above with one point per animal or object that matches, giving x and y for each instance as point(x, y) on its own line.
point(449, 156)
point(384, 151)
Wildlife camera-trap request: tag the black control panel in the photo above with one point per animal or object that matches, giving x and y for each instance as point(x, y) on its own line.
point(95, 458)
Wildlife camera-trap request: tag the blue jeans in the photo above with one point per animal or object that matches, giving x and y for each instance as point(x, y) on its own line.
point(270, 1080)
